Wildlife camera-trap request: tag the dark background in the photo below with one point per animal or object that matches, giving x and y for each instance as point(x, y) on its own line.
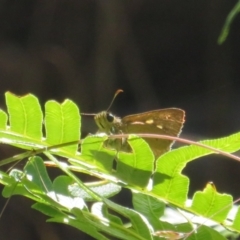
point(162, 53)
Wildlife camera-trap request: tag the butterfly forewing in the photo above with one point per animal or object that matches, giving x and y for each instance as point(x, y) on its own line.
point(165, 121)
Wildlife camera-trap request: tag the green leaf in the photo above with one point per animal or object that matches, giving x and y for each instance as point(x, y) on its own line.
point(151, 208)
point(61, 189)
point(210, 203)
point(5, 179)
point(83, 223)
point(136, 168)
point(62, 123)
point(139, 223)
point(37, 173)
point(100, 209)
point(100, 219)
point(3, 120)
point(22, 186)
point(208, 233)
point(33, 183)
point(236, 223)
point(169, 182)
point(79, 222)
point(14, 185)
point(226, 28)
point(25, 115)
point(102, 188)
point(99, 157)
point(50, 211)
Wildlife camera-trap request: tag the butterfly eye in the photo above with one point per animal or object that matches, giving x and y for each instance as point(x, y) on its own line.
point(110, 117)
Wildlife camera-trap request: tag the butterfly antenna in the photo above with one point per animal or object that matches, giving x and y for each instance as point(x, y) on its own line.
point(115, 95)
point(88, 114)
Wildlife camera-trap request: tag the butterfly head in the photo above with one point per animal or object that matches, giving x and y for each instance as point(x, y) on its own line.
point(107, 122)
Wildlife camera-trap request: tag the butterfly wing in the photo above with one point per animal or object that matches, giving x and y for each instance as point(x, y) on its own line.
point(165, 121)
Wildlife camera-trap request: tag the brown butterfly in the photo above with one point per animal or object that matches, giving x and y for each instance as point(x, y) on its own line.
point(167, 121)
